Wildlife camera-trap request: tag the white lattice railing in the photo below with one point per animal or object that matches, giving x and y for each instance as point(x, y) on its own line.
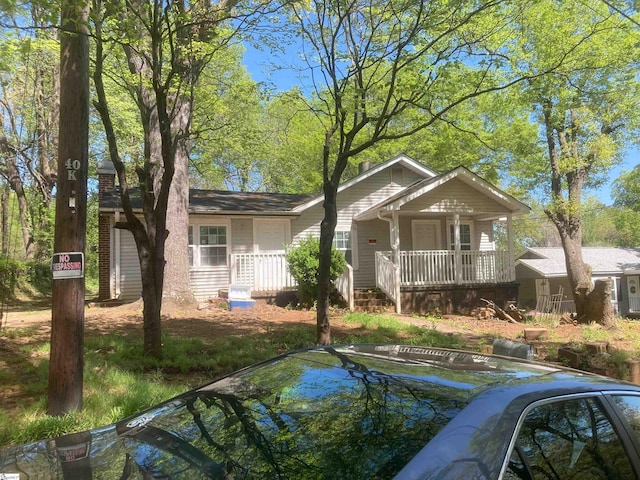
point(344, 285)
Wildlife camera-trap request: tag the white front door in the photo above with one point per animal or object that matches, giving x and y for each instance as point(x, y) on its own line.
point(425, 234)
point(633, 288)
point(270, 239)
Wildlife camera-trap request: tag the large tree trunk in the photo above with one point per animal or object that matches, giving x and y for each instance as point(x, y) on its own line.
point(327, 229)
point(176, 279)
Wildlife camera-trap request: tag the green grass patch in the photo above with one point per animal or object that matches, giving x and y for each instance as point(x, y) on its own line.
point(120, 381)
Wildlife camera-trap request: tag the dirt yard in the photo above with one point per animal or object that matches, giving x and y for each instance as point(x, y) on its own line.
point(218, 321)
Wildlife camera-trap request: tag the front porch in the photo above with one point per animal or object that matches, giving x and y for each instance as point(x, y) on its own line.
point(423, 281)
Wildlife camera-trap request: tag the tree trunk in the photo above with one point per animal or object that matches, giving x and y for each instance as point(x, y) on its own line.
point(327, 229)
point(599, 307)
point(23, 208)
point(4, 200)
point(578, 273)
point(177, 285)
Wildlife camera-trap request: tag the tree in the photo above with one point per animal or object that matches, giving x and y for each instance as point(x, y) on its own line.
point(29, 115)
point(166, 45)
point(388, 70)
point(586, 110)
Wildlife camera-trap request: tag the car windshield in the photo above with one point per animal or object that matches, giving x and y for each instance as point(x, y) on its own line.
point(318, 414)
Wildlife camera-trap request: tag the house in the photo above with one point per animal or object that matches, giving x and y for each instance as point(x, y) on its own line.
point(541, 273)
point(423, 238)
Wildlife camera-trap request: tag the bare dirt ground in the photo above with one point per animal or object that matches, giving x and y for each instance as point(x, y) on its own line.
point(218, 321)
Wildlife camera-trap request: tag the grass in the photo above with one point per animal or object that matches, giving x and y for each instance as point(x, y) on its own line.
point(119, 380)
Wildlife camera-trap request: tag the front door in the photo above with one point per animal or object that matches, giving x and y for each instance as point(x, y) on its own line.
point(270, 238)
point(425, 234)
point(633, 288)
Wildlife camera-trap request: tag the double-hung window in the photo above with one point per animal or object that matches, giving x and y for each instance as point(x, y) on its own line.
point(208, 245)
point(465, 236)
point(342, 243)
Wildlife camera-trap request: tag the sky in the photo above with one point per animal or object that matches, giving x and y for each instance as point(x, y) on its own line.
point(284, 79)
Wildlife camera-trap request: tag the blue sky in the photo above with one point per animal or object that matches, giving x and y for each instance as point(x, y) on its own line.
point(284, 79)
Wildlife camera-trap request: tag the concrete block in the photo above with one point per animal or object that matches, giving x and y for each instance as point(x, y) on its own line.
point(536, 334)
point(571, 357)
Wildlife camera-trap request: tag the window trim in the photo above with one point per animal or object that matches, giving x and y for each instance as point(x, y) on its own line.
point(195, 227)
point(451, 240)
point(599, 396)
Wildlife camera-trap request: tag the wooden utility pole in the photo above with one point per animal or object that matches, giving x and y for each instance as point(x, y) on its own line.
point(67, 315)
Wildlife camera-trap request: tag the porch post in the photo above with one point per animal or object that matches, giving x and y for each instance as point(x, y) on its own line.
point(395, 251)
point(510, 244)
point(456, 246)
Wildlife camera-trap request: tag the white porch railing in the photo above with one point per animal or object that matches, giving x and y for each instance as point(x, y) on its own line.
point(386, 278)
point(344, 285)
point(444, 267)
point(263, 272)
point(269, 272)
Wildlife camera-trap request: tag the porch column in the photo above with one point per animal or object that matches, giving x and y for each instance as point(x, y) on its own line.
point(511, 252)
point(456, 246)
point(395, 252)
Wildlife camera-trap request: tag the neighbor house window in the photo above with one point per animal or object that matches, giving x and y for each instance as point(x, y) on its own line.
point(342, 243)
point(209, 247)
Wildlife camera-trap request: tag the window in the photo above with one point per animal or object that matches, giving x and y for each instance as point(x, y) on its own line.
point(209, 248)
point(569, 439)
point(342, 243)
point(465, 236)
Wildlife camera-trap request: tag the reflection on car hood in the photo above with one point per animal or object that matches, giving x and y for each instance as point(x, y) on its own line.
point(325, 412)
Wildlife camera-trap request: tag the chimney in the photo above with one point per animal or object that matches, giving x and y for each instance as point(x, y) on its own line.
point(106, 183)
point(364, 166)
point(106, 177)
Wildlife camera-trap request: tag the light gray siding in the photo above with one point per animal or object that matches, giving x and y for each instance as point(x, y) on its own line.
point(129, 285)
point(352, 201)
point(454, 196)
point(242, 238)
point(373, 236)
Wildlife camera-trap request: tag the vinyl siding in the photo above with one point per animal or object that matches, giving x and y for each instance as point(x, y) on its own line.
point(454, 196)
point(352, 201)
point(242, 238)
point(130, 279)
point(369, 232)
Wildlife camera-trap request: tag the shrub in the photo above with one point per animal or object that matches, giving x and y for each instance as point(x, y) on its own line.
point(10, 271)
point(303, 265)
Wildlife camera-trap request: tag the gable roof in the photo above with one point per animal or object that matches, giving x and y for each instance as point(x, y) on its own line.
point(429, 184)
point(221, 202)
point(550, 261)
point(401, 159)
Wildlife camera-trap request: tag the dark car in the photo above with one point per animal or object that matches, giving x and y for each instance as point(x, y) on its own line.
point(365, 412)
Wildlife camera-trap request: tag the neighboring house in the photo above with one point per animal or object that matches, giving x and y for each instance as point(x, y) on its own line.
point(426, 240)
point(542, 272)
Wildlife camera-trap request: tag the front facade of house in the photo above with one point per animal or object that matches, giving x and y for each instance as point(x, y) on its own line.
point(426, 240)
point(544, 286)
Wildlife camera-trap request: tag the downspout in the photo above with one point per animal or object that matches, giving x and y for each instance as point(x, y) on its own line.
point(394, 241)
point(117, 258)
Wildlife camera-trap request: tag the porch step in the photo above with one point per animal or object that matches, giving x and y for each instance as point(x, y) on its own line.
point(371, 300)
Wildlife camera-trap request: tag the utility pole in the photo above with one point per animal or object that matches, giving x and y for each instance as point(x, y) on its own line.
point(67, 313)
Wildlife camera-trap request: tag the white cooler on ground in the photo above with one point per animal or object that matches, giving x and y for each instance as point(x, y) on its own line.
point(240, 297)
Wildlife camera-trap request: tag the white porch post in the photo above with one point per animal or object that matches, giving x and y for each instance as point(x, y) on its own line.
point(395, 251)
point(510, 246)
point(456, 245)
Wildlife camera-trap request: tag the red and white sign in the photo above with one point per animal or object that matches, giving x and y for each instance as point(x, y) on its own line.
point(67, 265)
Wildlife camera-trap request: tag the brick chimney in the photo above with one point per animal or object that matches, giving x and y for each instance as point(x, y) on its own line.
point(106, 182)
